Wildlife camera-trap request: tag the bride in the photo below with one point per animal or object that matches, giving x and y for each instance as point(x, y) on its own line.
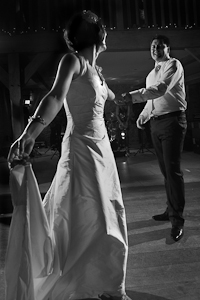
point(77, 238)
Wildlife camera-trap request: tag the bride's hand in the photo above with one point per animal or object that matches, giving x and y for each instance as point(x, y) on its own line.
point(20, 149)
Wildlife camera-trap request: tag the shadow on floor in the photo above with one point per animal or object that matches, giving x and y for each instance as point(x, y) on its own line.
point(143, 296)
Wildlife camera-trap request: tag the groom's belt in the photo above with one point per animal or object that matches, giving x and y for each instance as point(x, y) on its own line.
point(168, 115)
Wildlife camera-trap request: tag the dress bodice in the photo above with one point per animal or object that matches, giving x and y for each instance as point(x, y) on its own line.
point(84, 104)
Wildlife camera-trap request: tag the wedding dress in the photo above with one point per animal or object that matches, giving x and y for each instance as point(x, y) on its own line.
point(73, 245)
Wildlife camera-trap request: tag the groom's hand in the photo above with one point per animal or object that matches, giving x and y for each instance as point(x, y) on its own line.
point(127, 97)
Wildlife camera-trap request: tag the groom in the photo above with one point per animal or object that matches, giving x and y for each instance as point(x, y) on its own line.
point(165, 108)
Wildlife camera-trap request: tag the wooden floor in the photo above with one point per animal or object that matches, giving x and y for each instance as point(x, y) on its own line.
point(158, 268)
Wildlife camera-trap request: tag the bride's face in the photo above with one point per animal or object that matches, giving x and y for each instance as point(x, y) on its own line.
point(103, 46)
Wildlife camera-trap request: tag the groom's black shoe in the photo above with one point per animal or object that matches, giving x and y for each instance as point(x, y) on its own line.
point(177, 233)
point(162, 217)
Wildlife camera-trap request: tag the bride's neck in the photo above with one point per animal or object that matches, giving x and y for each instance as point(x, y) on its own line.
point(89, 54)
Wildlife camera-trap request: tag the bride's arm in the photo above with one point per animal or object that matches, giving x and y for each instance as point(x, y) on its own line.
point(51, 104)
point(47, 109)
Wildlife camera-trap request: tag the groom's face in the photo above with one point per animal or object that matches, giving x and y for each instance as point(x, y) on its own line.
point(159, 50)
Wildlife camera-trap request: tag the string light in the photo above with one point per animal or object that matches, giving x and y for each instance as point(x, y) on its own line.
point(14, 30)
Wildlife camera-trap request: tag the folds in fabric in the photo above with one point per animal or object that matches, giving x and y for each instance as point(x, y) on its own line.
point(30, 247)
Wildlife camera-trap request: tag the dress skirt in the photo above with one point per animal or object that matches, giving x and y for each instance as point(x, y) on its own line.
point(73, 244)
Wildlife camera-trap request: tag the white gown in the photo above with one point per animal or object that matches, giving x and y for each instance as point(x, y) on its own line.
point(74, 244)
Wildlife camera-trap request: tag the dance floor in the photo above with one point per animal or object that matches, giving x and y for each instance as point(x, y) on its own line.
point(158, 268)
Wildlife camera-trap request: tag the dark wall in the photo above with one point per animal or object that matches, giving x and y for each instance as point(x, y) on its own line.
point(5, 121)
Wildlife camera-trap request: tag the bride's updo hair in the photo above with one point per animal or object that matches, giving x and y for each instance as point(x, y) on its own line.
point(84, 30)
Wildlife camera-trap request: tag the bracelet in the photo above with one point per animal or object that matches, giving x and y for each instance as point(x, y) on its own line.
point(37, 119)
